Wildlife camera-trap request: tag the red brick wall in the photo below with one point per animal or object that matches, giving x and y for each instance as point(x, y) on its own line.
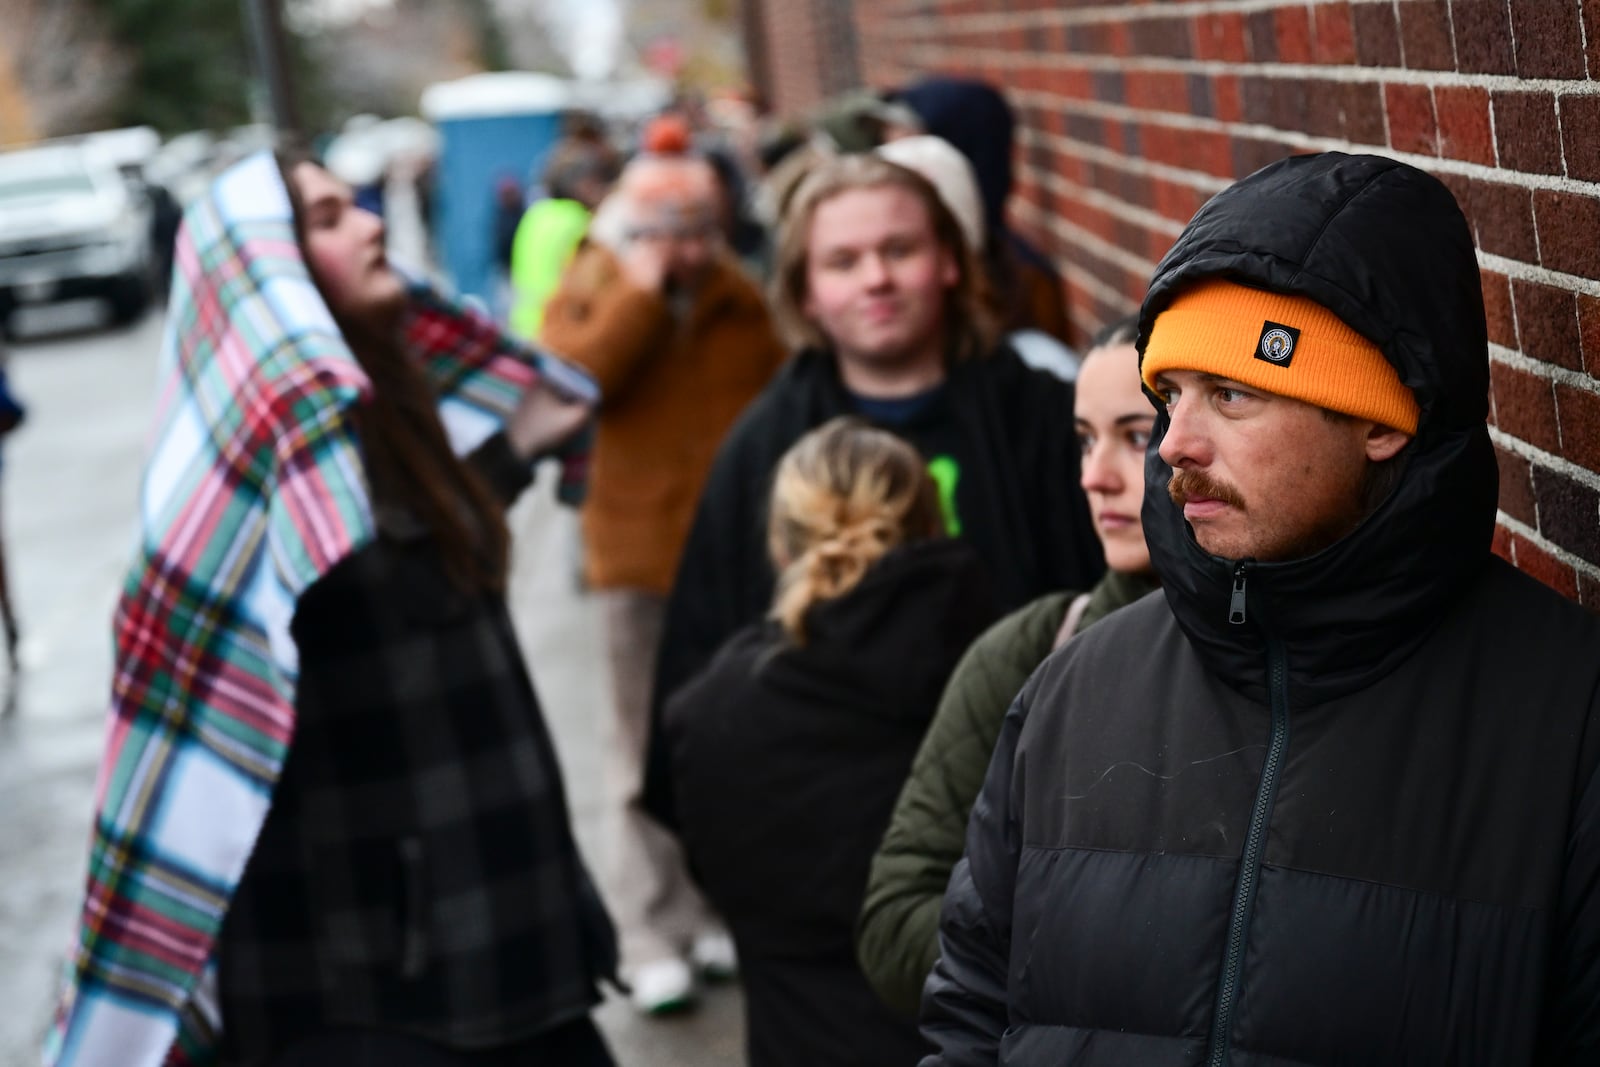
point(807, 51)
point(1131, 115)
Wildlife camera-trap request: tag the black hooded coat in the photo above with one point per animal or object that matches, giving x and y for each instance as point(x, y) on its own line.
point(787, 761)
point(1337, 810)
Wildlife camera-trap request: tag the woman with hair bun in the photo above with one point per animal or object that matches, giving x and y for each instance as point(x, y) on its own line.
point(789, 749)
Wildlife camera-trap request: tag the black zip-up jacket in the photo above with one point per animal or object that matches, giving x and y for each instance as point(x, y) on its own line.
point(1019, 503)
point(1339, 810)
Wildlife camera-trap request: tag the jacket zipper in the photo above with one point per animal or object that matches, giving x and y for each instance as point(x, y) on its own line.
point(1244, 893)
point(1236, 603)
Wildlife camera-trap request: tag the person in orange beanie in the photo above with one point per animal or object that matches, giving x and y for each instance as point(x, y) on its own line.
point(1333, 795)
point(667, 135)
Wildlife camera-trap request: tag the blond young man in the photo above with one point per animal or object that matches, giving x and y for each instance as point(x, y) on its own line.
point(877, 289)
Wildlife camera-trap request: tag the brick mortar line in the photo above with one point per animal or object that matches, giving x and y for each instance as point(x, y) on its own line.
point(1383, 106)
point(1532, 272)
point(1511, 32)
point(1114, 13)
point(1111, 205)
point(1088, 279)
point(1198, 179)
point(1494, 139)
point(1338, 72)
point(1561, 465)
point(1091, 242)
point(1583, 39)
point(1450, 18)
point(1527, 533)
point(1494, 130)
point(1184, 121)
point(1550, 372)
point(1400, 36)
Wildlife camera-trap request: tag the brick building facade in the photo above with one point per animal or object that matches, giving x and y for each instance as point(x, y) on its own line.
point(1130, 116)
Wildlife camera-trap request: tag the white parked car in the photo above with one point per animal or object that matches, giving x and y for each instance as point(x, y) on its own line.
point(70, 227)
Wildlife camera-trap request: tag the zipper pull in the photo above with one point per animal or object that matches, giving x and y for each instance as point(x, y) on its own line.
point(1236, 602)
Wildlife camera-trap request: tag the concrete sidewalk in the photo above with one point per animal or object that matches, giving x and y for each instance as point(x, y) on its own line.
point(561, 636)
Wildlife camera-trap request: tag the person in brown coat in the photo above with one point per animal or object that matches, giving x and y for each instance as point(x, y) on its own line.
point(680, 341)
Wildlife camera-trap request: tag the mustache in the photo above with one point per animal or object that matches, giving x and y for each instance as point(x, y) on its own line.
point(1188, 484)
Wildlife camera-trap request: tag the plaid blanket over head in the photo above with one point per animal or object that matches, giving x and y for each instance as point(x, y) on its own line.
point(254, 488)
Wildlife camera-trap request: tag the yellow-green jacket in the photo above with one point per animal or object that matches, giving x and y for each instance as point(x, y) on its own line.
point(546, 239)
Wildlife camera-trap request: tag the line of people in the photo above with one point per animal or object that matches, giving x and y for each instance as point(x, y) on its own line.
point(1182, 716)
point(893, 288)
point(1275, 478)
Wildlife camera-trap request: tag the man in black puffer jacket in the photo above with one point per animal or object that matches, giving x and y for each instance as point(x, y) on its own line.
point(1332, 798)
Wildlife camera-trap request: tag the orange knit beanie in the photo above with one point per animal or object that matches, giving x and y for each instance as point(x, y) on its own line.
point(1287, 345)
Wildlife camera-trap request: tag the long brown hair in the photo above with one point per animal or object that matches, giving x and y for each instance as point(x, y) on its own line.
point(843, 496)
point(968, 320)
point(408, 455)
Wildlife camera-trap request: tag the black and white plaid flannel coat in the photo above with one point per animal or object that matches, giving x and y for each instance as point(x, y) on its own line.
point(417, 871)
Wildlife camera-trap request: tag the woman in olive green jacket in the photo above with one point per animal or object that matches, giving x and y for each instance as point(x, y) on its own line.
point(897, 937)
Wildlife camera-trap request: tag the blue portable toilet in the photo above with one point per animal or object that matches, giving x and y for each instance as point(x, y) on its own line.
point(490, 125)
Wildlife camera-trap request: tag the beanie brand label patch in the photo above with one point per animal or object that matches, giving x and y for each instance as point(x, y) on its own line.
point(1277, 343)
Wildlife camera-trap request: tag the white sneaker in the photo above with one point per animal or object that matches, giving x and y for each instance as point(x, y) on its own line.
point(661, 987)
point(714, 956)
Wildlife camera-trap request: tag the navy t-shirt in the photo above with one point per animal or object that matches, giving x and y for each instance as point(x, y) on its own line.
point(925, 421)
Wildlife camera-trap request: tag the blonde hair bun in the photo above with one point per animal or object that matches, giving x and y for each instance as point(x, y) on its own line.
point(844, 495)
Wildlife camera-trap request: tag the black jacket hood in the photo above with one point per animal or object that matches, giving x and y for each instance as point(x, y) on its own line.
point(1385, 247)
point(887, 646)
